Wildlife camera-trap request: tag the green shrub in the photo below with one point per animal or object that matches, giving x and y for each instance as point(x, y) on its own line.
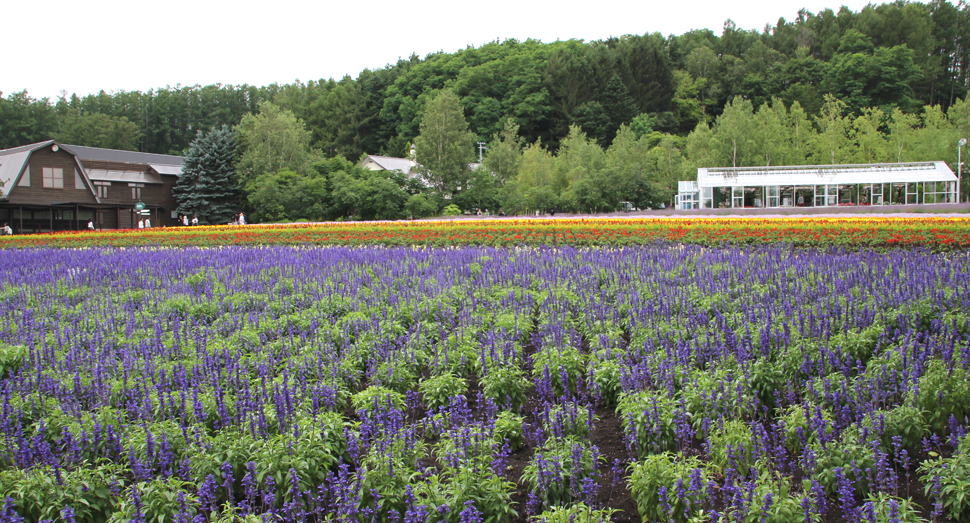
point(505, 386)
point(469, 445)
point(785, 504)
point(903, 421)
point(569, 419)
point(555, 360)
point(491, 495)
point(159, 501)
point(556, 471)
point(953, 476)
point(859, 345)
point(508, 426)
point(576, 513)
point(395, 375)
point(438, 391)
point(605, 377)
point(377, 395)
point(386, 472)
point(943, 393)
point(732, 438)
point(666, 470)
point(711, 394)
point(38, 495)
point(885, 508)
point(652, 415)
point(767, 378)
point(451, 210)
point(459, 354)
point(796, 421)
point(11, 358)
point(853, 455)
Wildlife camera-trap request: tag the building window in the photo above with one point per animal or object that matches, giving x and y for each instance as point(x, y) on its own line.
point(136, 190)
point(25, 179)
point(102, 188)
point(53, 178)
point(78, 182)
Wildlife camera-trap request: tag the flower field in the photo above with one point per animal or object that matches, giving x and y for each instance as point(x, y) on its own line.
point(655, 382)
point(933, 233)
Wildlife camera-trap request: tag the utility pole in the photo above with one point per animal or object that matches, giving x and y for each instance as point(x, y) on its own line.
point(481, 147)
point(960, 144)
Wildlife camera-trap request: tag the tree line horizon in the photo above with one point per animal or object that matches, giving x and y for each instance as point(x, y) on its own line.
point(885, 83)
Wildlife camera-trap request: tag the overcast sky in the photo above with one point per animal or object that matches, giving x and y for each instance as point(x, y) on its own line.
point(86, 46)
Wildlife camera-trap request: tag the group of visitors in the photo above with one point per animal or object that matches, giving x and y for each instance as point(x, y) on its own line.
point(146, 223)
point(238, 219)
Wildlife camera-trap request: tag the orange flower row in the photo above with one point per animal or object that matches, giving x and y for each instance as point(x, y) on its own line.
point(932, 233)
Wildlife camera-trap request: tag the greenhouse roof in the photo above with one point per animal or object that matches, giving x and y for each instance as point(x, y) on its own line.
point(825, 174)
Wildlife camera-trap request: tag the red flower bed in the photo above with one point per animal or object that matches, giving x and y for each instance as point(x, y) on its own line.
point(931, 233)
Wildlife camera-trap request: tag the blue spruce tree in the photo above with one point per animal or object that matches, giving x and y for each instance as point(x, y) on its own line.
point(207, 187)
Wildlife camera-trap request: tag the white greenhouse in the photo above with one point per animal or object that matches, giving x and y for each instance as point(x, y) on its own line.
point(819, 186)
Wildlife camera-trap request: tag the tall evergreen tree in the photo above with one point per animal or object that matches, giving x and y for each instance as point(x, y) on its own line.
point(619, 105)
point(207, 187)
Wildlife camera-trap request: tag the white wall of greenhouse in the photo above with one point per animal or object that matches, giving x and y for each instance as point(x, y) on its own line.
point(819, 186)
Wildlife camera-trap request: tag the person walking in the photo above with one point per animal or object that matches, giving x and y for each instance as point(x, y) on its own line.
point(195, 220)
point(90, 225)
point(242, 219)
point(141, 224)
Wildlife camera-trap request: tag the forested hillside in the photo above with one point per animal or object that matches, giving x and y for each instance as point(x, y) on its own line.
point(793, 92)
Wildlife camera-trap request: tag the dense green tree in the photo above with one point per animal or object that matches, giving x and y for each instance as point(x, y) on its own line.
point(99, 130)
point(872, 145)
point(733, 134)
point(644, 65)
point(884, 77)
point(595, 122)
point(481, 191)
point(688, 99)
point(902, 130)
point(421, 206)
point(700, 146)
point(936, 137)
point(504, 152)
point(25, 120)
point(801, 135)
point(531, 190)
point(380, 198)
point(271, 141)
point(619, 105)
point(445, 146)
point(833, 140)
point(265, 197)
point(770, 133)
point(207, 186)
point(632, 163)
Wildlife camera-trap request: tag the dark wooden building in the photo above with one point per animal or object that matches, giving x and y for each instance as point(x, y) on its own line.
point(49, 186)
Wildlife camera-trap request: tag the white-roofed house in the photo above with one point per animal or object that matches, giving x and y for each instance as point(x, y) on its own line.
point(389, 163)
